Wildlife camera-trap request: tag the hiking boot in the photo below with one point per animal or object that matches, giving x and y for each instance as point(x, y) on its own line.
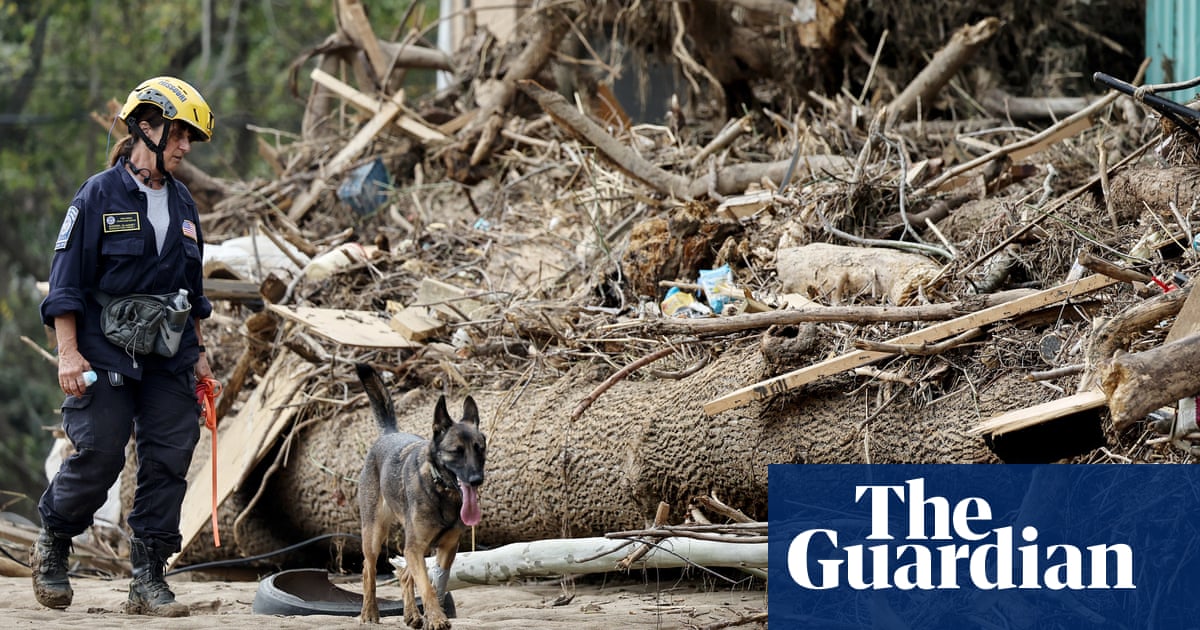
point(48, 559)
point(148, 592)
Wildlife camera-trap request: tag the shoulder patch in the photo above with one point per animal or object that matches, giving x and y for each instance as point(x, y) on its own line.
point(64, 232)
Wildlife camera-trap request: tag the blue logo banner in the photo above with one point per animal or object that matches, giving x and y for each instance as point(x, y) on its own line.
point(984, 546)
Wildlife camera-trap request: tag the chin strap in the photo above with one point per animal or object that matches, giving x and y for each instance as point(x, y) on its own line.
point(135, 129)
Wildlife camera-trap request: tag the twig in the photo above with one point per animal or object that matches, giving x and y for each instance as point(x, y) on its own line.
point(733, 129)
point(1102, 168)
point(40, 350)
point(919, 248)
point(742, 621)
point(1059, 372)
point(617, 377)
point(731, 513)
point(918, 349)
point(884, 375)
point(1099, 265)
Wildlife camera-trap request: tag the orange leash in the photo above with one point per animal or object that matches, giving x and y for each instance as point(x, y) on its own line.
point(207, 391)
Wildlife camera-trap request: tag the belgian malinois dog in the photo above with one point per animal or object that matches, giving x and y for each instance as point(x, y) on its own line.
point(429, 487)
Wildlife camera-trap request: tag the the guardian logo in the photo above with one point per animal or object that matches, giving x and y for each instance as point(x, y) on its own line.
point(954, 546)
point(945, 545)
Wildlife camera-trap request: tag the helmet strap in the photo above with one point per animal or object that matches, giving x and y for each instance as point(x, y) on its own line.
point(135, 129)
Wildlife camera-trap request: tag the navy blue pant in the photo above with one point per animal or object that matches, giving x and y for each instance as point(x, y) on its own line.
point(162, 414)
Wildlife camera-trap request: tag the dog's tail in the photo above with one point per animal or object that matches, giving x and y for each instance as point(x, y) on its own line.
point(381, 400)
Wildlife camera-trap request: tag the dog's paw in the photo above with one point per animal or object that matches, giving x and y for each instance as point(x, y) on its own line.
point(365, 618)
point(438, 622)
point(414, 620)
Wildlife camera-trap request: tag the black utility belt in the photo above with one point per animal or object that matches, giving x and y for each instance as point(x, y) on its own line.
point(142, 323)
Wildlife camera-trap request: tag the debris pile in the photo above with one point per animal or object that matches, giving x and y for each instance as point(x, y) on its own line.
point(895, 284)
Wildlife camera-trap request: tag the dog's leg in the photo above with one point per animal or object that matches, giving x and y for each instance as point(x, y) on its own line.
point(372, 542)
point(447, 549)
point(435, 618)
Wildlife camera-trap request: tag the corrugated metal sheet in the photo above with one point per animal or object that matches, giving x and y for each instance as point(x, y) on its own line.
point(1173, 43)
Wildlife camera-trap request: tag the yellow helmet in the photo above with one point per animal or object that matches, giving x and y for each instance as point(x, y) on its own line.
point(177, 99)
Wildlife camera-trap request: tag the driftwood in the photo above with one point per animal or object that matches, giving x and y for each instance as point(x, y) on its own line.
point(1115, 334)
point(1026, 108)
point(852, 314)
point(920, 93)
point(549, 27)
point(1141, 382)
point(580, 556)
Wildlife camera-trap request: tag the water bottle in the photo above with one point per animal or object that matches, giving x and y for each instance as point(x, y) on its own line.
point(89, 378)
point(171, 332)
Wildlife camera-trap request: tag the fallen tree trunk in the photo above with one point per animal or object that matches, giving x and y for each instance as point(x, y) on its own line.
point(579, 556)
point(1139, 383)
point(1132, 191)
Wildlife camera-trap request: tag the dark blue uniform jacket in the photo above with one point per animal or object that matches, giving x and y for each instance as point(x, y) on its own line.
point(107, 243)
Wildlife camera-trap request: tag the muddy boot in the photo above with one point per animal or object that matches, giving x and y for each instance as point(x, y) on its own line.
point(148, 592)
point(49, 563)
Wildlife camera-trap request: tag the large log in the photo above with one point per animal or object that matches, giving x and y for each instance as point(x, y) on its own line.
point(642, 442)
point(1141, 382)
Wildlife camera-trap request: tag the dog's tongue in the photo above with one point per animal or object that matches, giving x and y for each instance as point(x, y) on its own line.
point(470, 513)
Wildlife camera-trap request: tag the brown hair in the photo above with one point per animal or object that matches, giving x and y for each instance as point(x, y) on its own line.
point(142, 113)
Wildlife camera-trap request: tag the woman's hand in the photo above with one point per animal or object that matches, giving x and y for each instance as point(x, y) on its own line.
point(71, 366)
point(202, 369)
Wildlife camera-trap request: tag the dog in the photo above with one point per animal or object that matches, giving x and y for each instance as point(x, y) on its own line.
point(429, 487)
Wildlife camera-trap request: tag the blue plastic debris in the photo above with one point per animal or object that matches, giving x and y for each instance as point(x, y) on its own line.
point(366, 188)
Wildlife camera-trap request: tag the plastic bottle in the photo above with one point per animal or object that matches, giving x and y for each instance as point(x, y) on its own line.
point(171, 332)
point(89, 377)
point(180, 302)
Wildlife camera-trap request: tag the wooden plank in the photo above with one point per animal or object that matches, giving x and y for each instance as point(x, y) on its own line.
point(356, 24)
point(406, 120)
point(1188, 319)
point(445, 298)
point(362, 329)
point(849, 361)
point(1068, 131)
point(242, 441)
point(1037, 414)
point(415, 324)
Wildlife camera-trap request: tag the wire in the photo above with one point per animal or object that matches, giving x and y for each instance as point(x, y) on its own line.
point(10, 557)
point(239, 561)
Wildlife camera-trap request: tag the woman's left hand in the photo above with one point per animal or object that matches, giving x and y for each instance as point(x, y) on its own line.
point(202, 369)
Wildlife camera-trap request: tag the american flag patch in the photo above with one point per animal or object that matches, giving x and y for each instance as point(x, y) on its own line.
point(189, 229)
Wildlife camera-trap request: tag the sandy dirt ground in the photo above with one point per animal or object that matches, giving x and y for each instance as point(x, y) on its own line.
point(594, 606)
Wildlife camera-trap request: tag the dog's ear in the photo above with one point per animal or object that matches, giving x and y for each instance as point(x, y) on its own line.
point(441, 419)
point(470, 411)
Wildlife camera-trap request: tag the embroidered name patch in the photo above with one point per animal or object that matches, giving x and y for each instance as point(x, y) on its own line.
point(122, 222)
point(189, 229)
point(64, 232)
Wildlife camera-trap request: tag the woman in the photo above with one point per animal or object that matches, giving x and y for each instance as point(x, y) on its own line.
point(131, 230)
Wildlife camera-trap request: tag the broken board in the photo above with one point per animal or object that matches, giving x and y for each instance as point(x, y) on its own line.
point(242, 441)
point(1037, 414)
point(363, 329)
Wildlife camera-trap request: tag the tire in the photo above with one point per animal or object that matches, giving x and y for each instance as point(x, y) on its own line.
point(309, 592)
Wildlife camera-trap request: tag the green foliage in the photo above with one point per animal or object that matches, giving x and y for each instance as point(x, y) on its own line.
point(61, 61)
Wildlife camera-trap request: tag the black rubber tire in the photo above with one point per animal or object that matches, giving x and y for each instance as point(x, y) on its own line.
point(309, 592)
